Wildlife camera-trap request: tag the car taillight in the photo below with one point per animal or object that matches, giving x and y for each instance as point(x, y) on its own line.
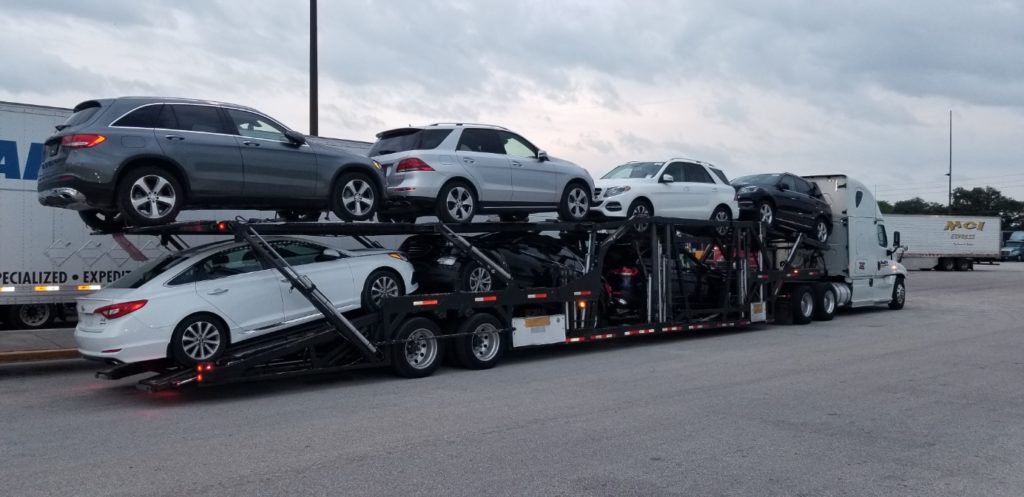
point(625, 271)
point(114, 311)
point(412, 164)
point(82, 141)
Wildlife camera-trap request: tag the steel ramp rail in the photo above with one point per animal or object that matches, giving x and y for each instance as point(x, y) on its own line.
point(308, 289)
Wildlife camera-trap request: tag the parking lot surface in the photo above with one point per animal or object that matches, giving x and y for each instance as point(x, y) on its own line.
point(924, 401)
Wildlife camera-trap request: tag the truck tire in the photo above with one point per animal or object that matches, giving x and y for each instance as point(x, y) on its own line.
point(963, 265)
point(484, 348)
point(899, 294)
point(30, 316)
point(802, 304)
point(420, 352)
point(946, 264)
point(824, 302)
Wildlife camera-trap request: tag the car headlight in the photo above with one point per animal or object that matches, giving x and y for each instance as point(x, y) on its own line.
point(615, 190)
point(749, 189)
point(446, 261)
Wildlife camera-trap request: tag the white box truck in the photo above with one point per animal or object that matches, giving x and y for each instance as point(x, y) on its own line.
point(947, 243)
point(47, 256)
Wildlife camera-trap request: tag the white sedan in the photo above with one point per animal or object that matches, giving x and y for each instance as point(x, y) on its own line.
point(681, 188)
point(191, 305)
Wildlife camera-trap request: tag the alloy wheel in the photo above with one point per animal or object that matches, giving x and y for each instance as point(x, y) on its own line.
point(152, 196)
point(579, 203)
point(420, 349)
point(767, 214)
point(357, 197)
point(829, 302)
point(459, 203)
point(822, 232)
point(480, 280)
point(383, 286)
point(806, 304)
point(200, 340)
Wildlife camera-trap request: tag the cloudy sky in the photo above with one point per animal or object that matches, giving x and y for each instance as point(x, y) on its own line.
point(861, 88)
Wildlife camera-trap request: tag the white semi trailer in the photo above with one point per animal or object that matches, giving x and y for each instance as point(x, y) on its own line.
point(947, 243)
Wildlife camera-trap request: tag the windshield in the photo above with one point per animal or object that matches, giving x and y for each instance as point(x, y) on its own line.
point(1015, 244)
point(634, 170)
point(757, 179)
point(403, 140)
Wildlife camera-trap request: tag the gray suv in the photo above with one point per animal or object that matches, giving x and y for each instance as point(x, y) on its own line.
point(140, 160)
point(455, 171)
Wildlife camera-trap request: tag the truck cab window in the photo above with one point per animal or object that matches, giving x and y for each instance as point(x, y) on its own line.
point(883, 240)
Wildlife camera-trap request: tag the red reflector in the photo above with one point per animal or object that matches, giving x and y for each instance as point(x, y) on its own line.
point(114, 311)
point(82, 141)
point(412, 164)
point(574, 340)
point(489, 298)
point(110, 351)
point(199, 377)
point(583, 293)
point(537, 296)
point(425, 302)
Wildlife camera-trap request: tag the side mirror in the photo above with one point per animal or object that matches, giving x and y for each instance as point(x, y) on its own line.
point(783, 187)
point(331, 253)
point(895, 238)
point(295, 137)
point(667, 178)
point(542, 156)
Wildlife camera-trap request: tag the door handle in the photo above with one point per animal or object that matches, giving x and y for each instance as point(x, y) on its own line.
point(217, 291)
point(250, 144)
point(174, 137)
point(468, 160)
point(516, 164)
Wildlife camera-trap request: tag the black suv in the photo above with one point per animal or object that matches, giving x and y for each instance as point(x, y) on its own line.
point(140, 160)
point(784, 200)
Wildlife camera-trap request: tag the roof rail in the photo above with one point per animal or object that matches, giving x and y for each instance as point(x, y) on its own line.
point(471, 124)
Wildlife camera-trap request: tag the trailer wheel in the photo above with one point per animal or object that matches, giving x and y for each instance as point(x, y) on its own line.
point(420, 353)
point(802, 304)
point(824, 302)
point(947, 264)
point(899, 294)
point(199, 337)
point(484, 348)
point(963, 265)
point(30, 316)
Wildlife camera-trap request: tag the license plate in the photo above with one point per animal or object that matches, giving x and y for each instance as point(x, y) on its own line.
point(538, 322)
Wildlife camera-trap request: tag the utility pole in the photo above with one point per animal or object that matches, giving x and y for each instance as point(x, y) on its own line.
point(313, 104)
point(950, 173)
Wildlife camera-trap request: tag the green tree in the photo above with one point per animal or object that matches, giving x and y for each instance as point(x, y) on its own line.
point(885, 207)
point(917, 205)
point(989, 201)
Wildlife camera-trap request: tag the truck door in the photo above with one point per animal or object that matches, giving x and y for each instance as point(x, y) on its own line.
point(885, 275)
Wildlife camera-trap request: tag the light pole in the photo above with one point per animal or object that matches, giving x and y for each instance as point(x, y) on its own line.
point(949, 210)
point(313, 105)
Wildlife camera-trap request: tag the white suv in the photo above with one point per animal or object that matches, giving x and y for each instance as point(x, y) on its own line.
point(456, 171)
point(682, 188)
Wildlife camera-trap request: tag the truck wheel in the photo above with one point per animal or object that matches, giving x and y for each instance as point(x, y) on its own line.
point(420, 353)
point(824, 302)
point(802, 304)
point(199, 338)
point(484, 348)
point(149, 196)
point(963, 265)
point(947, 264)
point(30, 316)
point(899, 295)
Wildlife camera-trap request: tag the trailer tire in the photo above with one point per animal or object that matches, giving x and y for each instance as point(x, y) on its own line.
point(30, 316)
point(208, 338)
point(824, 302)
point(802, 304)
point(963, 265)
point(899, 294)
point(421, 353)
point(484, 348)
point(947, 264)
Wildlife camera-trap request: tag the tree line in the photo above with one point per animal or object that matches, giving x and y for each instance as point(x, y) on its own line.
point(977, 201)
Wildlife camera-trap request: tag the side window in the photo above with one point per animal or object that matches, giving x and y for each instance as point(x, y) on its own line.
point(695, 173)
point(299, 253)
point(480, 140)
point(721, 175)
point(256, 126)
point(202, 118)
point(883, 240)
point(675, 170)
point(802, 186)
point(517, 146)
point(143, 117)
point(788, 182)
point(230, 262)
point(857, 198)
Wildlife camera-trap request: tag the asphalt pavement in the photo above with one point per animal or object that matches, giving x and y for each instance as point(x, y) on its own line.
point(926, 401)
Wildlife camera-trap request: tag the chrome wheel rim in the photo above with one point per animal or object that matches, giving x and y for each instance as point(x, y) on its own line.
point(806, 304)
point(579, 203)
point(480, 280)
point(722, 217)
point(357, 197)
point(420, 349)
point(829, 302)
point(822, 232)
point(34, 315)
point(766, 214)
point(459, 203)
point(901, 294)
point(640, 210)
point(485, 342)
point(383, 286)
point(152, 196)
point(200, 340)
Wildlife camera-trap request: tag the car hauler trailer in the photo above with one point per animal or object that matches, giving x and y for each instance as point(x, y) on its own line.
point(697, 275)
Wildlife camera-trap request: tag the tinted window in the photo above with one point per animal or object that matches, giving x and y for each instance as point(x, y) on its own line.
point(635, 170)
point(883, 240)
point(83, 112)
point(802, 186)
point(230, 262)
point(256, 126)
point(481, 140)
point(196, 118)
point(857, 198)
point(787, 181)
point(148, 271)
point(757, 179)
point(517, 146)
point(695, 173)
point(408, 139)
point(143, 117)
point(675, 170)
point(298, 253)
point(720, 174)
